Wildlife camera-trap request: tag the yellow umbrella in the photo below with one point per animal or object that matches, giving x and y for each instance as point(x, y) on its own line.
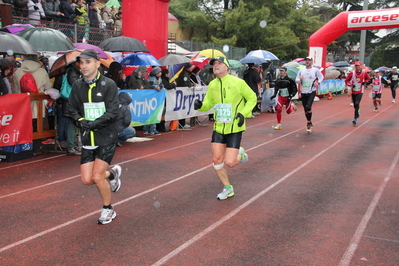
point(211, 53)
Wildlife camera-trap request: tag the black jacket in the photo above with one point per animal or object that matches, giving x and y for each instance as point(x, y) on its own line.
point(105, 131)
point(286, 82)
point(124, 115)
point(252, 78)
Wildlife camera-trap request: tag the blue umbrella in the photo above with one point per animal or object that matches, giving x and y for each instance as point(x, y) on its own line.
point(137, 59)
point(252, 59)
point(263, 54)
point(341, 64)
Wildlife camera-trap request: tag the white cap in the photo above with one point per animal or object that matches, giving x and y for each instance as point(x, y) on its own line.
point(394, 67)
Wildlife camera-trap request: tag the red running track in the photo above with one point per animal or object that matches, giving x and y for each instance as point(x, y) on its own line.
point(326, 198)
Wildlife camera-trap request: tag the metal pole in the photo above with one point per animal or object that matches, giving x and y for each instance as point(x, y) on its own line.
point(362, 47)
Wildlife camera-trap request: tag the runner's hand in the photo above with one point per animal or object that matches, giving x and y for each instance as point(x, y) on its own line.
point(240, 118)
point(197, 104)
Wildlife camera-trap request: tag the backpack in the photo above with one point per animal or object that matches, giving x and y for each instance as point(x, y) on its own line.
point(28, 83)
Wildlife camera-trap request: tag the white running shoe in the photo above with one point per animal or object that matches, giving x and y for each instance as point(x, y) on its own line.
point(244, 156)
point(116, 182)
point(226, 193)
point(393, 101)
point(278, 127)
point(107, 215)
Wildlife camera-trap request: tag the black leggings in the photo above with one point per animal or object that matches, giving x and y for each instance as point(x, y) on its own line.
point(393, 89)
point(307, 102)
point(356, 98)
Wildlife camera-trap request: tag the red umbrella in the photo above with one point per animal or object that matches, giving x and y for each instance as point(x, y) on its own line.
point(328, 64)
point(63, 61)
point(200, 61)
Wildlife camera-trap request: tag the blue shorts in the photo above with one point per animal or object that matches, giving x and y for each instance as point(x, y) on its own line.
point(104, 153)
point(232, 140)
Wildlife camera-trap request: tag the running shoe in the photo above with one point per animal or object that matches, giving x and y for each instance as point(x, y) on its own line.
point(294, 106)
point(309, 127)
point(48, 141)
point(226, 193)
point(146, 132)
point(244, 156)
point(393, 101)
point(278, 127)
point(354, 121)
point(351, 104)
point(375, 110)
point(116, 182)
point(107, 215)
point(186, 126)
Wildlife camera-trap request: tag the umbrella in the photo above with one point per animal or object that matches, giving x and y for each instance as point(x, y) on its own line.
point(252, 59)
point(298, 60)
point(263, 54)
point(84, 46)
point(64, 60)
point(341, 64)
point(175, 70)
point(328, 64)
point(107, 62)
point(267, 103)
point(137, 59)
point(123, 44)
point(15, 28)
point(234, 63)
point(211, 53)
point(332, 74)
point(113, 3)
point(382, 68)
point(200, 61)
point(292, 63)
point(15, 44)
point(172, 59)
point(45, 39)
point(293, 71)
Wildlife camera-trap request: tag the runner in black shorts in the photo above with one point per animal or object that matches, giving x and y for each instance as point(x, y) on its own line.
point(232, 100)
point(94, 106)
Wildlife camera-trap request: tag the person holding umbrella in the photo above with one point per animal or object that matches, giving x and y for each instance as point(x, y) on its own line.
point(232, 100)
point(309, 79)
point(94, 106)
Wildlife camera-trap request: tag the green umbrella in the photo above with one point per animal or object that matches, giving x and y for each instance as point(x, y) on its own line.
point(293, 71)
point(113, 3)
point(234, 63)
point(46, 39)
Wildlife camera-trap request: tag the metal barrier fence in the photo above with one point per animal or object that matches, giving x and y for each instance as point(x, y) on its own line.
point(76, 33)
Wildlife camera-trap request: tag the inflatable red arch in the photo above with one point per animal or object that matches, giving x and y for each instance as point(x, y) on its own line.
point(350, 20)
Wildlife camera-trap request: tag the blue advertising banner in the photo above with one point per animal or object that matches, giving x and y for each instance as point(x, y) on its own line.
point(147, 106)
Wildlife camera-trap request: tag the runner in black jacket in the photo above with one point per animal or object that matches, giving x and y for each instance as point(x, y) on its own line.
point(94, 106)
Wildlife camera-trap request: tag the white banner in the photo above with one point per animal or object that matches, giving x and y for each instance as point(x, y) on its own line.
point(180, 102)
point(373, 18)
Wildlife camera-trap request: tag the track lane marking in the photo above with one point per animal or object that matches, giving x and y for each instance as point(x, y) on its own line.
point(253, 199)
point(354, 243)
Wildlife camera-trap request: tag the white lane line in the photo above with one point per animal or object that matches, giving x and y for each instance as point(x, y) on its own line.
point(72, 177)
point(350, 251)
point(31, 162)
point(251, 200)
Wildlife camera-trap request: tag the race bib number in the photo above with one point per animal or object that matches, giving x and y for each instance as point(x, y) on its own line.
point(284, 93)
point(376, 88)
point(94, 110)
point(223, 112)
point(357, 87)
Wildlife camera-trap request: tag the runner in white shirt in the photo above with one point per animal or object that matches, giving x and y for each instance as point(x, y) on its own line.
point(308, 79)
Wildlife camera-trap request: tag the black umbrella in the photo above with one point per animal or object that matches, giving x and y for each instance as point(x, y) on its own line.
point(13, 44)
point(341, 64)
point(46, 39)
point(123, 44)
